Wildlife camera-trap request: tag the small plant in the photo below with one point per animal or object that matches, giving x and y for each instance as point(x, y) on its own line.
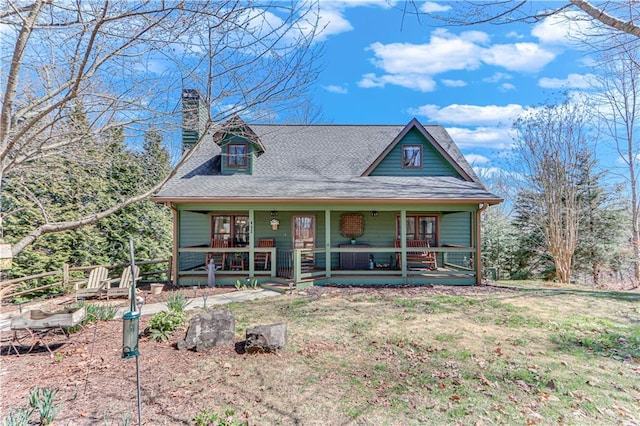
point(239, 285)
point(207, 417)
point(41, 399)
point(253, 283)
point(177, 302)
point(95, 312)
point(18, 417)
point(162, 324)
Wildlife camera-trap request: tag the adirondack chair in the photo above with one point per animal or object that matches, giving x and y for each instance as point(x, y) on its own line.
point(124, 283)
point(95, 285)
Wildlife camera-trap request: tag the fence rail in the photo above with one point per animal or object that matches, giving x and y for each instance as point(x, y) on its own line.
point(11, 288)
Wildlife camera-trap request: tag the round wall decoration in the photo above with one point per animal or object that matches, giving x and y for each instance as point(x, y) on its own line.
point(352, 225)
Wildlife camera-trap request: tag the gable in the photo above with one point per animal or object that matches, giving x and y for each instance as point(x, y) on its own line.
point(431, 161)
point(240, 147)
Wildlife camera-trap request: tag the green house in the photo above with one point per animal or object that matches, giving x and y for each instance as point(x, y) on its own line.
point(324, 204)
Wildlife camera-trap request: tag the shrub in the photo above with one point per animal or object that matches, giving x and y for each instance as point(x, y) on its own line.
point(163, 324)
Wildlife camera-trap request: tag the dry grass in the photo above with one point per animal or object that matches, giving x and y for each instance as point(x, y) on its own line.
point(431, 356)
point(372, 357)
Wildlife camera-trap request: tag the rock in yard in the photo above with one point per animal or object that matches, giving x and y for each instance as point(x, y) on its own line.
point(266, 338)
point(208, 329)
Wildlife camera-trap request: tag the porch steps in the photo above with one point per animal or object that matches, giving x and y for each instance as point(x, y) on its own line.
point(279, 287)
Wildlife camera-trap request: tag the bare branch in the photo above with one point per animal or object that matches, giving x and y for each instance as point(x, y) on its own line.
point(600, 15)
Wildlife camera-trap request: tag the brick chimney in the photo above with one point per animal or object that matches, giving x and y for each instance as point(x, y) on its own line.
point(194, 118)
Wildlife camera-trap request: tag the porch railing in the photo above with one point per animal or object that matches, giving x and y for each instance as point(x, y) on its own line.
point(308, 263)
point(192, 260)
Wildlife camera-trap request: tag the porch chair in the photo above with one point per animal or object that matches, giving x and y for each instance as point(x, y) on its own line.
point(219, 259)
point(423, 258)
point(94, 286)
point(124, 283)
point(263, 258)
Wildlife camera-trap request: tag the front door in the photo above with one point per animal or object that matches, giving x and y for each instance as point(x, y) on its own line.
point(304, 236)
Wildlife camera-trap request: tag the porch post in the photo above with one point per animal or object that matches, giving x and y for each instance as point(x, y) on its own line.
point(251, 242)
point(176, 244)
point(478, 243)
point(327, 245)
point(403, 241)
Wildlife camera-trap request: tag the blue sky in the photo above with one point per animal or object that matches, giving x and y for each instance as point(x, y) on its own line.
point(381, 69)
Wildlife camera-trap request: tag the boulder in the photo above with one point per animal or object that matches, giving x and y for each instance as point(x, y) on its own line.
point(209, 329)
point(266, 338)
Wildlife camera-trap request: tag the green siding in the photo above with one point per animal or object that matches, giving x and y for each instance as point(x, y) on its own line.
point(455, 229)
point(379, 231)
point(433, 163)
point(225, 170)
point(194, 230)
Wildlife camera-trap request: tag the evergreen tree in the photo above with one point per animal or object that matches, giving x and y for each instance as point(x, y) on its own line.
point(499, 243)
point(531, 259)
point(52, 186)
point(600, 240)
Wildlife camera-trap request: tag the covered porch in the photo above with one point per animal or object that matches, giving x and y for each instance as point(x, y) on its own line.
point(311, 244)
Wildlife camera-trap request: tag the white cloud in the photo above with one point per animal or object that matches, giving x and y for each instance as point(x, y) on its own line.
point(528, 57)
point(497, 77)
point(476, 159)
point(573, 81)
point(506, 87)
point(331, 19)
point(564, 28)
point(407, 62)
point(420, 82)
point(444, 52)
point(514, 34)
point(481, 137)
point(430, 7)
point(471, 115)
point(454, 83)
point(336, 89)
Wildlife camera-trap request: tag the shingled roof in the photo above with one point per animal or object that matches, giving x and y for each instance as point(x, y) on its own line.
point(322, 162)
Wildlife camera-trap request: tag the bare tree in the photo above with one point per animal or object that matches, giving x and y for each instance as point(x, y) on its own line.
point(619, 84)
point(608, 14)
point(126, 63)
point(551, 143)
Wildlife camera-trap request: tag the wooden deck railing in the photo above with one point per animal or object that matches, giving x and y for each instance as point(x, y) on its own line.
point(64, 277)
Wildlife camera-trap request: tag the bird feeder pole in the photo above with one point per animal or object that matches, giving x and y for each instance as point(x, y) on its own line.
point(130, 330)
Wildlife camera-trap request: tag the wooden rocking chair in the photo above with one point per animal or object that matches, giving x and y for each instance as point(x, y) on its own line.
point(263, 258)
point(422, 258)
point(219, 258)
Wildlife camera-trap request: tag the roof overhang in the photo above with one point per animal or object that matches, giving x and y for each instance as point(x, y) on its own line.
point(325, 200)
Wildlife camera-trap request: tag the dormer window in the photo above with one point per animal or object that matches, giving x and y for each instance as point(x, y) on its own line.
point(237, 155)
point(412, 156)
